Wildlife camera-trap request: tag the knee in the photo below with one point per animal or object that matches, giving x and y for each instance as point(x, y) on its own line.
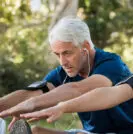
point(35, 130)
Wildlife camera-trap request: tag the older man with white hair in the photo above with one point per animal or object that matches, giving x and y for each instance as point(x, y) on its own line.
point(83, 68)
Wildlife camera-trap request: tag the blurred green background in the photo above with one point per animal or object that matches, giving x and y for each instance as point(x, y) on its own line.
point(25, 56)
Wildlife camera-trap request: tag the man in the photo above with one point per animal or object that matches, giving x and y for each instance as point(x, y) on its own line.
point(83, 68)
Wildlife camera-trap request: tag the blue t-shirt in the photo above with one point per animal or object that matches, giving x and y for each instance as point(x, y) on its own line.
point(116, 119)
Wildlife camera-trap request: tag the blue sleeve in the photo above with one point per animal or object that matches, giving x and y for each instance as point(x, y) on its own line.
point(55, 76)
point(114, 69)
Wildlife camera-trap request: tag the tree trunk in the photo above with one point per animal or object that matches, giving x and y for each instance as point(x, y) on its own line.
point(63, 8)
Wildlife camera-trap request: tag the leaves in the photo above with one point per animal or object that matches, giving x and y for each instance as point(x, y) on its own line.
point(22, 45)
point(24, 55)
point(111, 25)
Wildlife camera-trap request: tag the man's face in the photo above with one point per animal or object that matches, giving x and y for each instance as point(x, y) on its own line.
point(69, 56)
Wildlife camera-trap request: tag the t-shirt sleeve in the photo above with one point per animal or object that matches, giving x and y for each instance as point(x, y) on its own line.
point(54, 77)
point(115, 70)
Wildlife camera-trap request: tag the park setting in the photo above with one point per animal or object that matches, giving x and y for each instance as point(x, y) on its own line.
point(26, 55)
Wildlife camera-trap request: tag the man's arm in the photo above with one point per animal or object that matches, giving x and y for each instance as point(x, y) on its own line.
point(16, 97)
point(19, 96)
point(61, 93)
point(70, 91)
point(97, 99)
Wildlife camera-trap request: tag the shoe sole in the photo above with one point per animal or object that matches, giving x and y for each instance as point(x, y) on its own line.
point(21, 127)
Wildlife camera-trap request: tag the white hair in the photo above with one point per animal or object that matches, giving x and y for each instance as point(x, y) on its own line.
point(70, 29)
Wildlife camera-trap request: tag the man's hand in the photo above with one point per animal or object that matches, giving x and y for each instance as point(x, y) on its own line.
point(14, 119)
point(52, 114)
point(23, 107)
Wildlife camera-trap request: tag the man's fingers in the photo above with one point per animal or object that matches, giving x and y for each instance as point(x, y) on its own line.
point(12, 123)
point(30, 115)
point(9, 112)
point(5, 113)
point(54, 117)
point(51, 118)
point(14, 111)
point(33, 119)
point(38, 114)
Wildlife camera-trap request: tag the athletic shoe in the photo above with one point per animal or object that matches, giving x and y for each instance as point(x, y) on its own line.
point(21, 127)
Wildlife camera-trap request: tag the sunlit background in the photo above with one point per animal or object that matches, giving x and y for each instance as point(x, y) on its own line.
point(25, 55)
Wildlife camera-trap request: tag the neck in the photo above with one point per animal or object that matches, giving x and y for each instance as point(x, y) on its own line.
point(85, 71)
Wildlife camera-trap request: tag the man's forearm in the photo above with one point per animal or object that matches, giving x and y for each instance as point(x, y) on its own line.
point(16, 97)
point(61, 93)
point(98, 99)
point(69, 91)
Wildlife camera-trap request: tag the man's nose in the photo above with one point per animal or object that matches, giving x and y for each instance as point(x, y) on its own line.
point(63, 60)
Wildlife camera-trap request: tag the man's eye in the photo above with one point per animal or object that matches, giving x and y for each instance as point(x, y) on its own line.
point(68, 53)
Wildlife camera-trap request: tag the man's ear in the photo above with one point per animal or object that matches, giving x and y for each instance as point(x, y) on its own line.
point(86, 45)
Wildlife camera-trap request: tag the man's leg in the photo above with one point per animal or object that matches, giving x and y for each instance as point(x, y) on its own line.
point(39, 130)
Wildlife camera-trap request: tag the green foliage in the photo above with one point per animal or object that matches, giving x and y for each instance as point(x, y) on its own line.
point(111, 25)
point(23, 46)
point(23, 37)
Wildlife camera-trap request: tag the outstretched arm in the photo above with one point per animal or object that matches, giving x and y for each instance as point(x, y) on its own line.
point(19, 96)
point(61, 93)
point(16, 97)
point(97, 99)
point(69, 91)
